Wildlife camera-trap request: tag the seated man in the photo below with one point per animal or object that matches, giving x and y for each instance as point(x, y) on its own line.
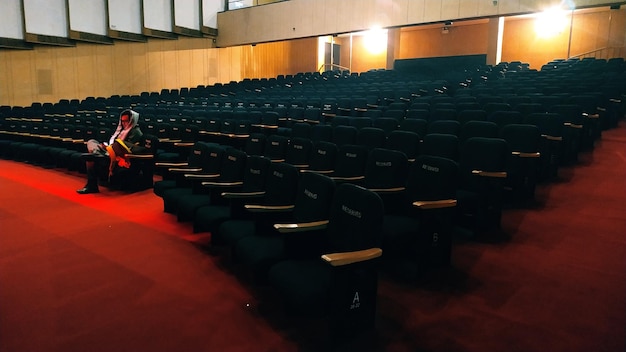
point(125, 137)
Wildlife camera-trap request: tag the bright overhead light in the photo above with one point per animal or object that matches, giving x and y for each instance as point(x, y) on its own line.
point(550, 22)
point(375, 40)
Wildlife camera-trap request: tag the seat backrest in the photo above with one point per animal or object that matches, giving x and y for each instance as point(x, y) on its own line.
point(386, 168)
point(486, 154)
point(419, 126)
point(387, 124)
point(405, 141)
point(255, 173)
point(444, 126)
point(505, 117)
point(150, 143)
point(442, 145)
point(551, 124)
point(432, 178)
point(361, 122)
point(496, 106)
point(212, 159)
point(437, 114)
point(198, 153)
point(350, 160)
point(233, 165)
point(315, 194)
point(356, 218)
point(414, 113)
point(523, 138)
point(301, 130)
point(298, 151)
point(255, 144)
point(371, 137)
point(471, 115)
point(281, 184)
point(477, 129)
point(321, 132)
point(344, 135)
point(323, 156)
point(275, 147)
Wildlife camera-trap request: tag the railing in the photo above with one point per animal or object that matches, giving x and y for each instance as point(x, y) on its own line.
point(332, 67)
point(602, 53)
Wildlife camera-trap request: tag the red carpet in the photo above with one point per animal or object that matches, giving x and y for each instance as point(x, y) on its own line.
point(112, 272)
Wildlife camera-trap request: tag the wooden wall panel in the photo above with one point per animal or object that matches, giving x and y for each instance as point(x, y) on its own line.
point(134, 67)
point(521, 43)
point(362, 59)
point(104, 70)
point(431, 42)
point(275, 22)
point(105, 81)
point(64, 65)
point(617, 37)
point(23, 77)
point(590, 31)
point(271, 59)
point(85, 62)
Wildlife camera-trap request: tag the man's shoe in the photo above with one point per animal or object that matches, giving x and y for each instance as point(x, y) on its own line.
point(87, 190)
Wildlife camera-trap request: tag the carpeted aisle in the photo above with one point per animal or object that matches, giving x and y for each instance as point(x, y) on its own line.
point(77, 278)
point(112, 272)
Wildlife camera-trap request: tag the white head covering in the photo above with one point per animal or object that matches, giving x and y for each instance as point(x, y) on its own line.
point(121, 132)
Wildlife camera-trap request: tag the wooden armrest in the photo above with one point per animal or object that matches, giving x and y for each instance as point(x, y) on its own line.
point(170, 165)
point(351, 178)
point(201, 176)
point(324, 172)
point(257, 208)
point(591, 116)
point(388, 190)
point(435, 204)
point(232, 135)
point(140, 156)
point(494, 174)
point(305, 226)
point(222, 184)
point(237, 195)
point(184, 144)
point(185, 169)
point(345, 258)
point(265, 126)
point(277, 160)
point(526, 155)
point(552, 138)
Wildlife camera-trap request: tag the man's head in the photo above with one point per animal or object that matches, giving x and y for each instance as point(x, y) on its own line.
point(125, 118)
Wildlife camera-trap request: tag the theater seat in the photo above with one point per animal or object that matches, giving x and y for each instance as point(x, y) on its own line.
point(266, 246)
point(341, 284)
point(418, 231)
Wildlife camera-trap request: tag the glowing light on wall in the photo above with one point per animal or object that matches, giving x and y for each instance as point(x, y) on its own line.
point(375, 40)
point(551, 22)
